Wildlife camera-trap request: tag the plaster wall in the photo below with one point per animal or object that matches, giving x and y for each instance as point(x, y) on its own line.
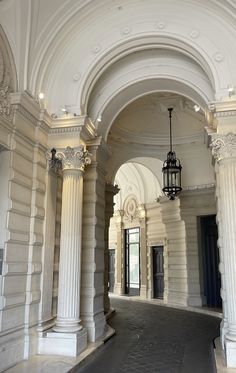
point(173, 225)
point(22, 266)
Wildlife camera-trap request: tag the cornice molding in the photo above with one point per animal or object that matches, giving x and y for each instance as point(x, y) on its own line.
point(129, 137)
point(199, 187)
point(81, 125)
point(223, 108)
point(29, 108)
point(63, 130)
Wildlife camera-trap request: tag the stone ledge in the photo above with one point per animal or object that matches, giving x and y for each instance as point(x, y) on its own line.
point(61, 364)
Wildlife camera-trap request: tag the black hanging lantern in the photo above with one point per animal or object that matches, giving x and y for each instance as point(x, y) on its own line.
point(171, 171)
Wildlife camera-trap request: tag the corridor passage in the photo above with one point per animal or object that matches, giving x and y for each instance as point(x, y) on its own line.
point(156, 339)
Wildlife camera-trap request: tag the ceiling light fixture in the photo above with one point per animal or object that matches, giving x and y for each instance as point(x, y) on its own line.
point(41, 95)
point(171, 170)
point(196, 107)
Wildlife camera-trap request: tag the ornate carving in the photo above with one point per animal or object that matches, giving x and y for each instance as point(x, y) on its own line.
point(54, 163)
point(223, 146)
point(5, 90)
point(68, 159)
point(131, 208)
point(74, 158)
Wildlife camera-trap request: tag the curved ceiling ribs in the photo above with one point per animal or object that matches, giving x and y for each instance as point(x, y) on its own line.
point(84, 49)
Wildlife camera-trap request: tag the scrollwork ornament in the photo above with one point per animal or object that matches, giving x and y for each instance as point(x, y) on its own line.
point(54, 163)
point(224, 147)
point(72, 158)
point(5, 90)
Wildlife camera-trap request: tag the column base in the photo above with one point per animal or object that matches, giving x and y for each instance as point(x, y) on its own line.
point(143, 292)
point(230, 353)
point(95, 326)
point(118, 289)
point(176, 298)
point(67, 344)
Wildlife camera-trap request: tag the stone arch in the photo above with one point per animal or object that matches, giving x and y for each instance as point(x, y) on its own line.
point(92, 53)
point(8, 76)
point(144, 72)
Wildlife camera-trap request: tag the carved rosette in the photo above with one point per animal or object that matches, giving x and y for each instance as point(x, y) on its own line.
point(131, 208)
point(68, 159)
point(224, 146)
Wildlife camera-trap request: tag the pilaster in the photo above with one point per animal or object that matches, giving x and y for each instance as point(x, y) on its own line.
point(224, 151)
point(46, 318)
point(175, 267)
point(110, 191)
point(92, 292)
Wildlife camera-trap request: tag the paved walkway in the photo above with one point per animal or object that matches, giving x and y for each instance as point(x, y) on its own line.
point(155, 339)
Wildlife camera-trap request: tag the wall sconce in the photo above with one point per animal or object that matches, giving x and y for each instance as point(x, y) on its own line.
point(230, 89)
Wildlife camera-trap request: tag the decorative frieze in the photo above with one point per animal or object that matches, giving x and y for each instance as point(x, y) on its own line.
point(223, 146)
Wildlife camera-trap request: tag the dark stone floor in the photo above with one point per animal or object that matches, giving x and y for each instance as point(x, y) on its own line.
point(156, 339)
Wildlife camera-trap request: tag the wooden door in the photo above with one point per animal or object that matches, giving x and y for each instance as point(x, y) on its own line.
point(210, 256)
point(158, 272)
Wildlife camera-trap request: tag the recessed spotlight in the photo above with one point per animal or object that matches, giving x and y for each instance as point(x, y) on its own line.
point(99, 119)
point(41, 95)
point(64, 110)
point(196, 107)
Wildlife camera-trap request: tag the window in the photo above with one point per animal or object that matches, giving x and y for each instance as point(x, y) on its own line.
point(132, 261)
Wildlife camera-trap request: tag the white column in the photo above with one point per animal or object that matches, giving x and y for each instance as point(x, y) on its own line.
point(224, 151)
point(70, 250)
point(68, 336)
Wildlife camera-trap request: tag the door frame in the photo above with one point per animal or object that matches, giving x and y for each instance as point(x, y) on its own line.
point(203, 261)
point(126, 276)
point(152, 269)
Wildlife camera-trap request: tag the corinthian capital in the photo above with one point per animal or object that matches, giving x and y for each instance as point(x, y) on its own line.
point(69, 159)
point(223, 146)
point(73, 158)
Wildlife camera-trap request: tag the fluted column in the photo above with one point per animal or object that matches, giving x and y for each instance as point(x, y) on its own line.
point(224, 151)
point(73, 162)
